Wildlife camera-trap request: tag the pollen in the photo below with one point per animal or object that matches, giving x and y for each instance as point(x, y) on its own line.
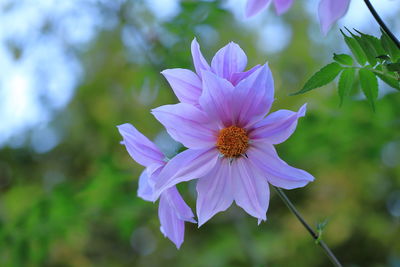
point(232, 141)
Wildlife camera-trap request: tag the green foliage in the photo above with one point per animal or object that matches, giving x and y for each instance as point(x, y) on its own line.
point(381, 54)
point(322, 77)
point(346, 82)
point(369, 85)
point(320, 229)
point(355, 48)
point(343, 59)
point(389, 46)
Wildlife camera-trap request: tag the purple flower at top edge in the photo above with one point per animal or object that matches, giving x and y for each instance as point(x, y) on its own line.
point(228, 63)
point(253, 7)
point(230, 141)
point(329, 11)
point(172, 211)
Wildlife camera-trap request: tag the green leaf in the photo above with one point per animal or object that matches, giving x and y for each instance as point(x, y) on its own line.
point(322, 77)
point(343, 59)
point(373, 41)
point(393, 67)
point(368, 48)
point(346, 81)
point(355, 49)
point(369, 85)
point(392, 82)
point(390, 47)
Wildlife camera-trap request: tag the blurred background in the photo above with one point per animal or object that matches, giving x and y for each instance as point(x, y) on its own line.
point(70, 71)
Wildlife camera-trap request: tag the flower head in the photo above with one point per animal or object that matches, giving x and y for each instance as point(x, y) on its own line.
point(230, 141)
point(172, 211)
point(329, 11)
point(228, 63)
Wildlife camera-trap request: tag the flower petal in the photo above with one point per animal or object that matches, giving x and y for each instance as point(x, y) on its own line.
point(251, 190)
point(139, 147)
point(278, 126)
point(171, 226)
point(187, 125)
point(145, 190)
point(229, 60)
point(214, 192)
point(185, 84)
point(276, 171)
point(253, 97)
point(176, 202)
point(187, 165)
point(216, 98)
point(199, 62)
point(238, 76)
point(282, 6)
point(329, 11)
point(255, 6)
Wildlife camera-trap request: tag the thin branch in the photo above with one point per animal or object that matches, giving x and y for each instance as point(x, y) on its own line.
point(314, 235)
point(381, 23)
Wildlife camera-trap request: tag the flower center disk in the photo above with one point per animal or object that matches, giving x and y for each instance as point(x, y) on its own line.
point(232, 141)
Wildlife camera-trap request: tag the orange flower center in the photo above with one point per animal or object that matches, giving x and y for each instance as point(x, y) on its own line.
point(232, 141)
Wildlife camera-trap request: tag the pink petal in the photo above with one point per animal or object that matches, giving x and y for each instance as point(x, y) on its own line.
point(176, 202)
point(253, 97)
point(255, 6)
point(329, 11)
point(185, 84)
point(187, 125)
point(250, 189)
point(229, 60)
point(187, 165)
point(276, 171)
point(139, 147)
point(216, 98)
point(237, 77)
point(282, 6)
point(278, 126)
point(214, 191)
point(145, 190)
point(199, 62)
point(171, 226)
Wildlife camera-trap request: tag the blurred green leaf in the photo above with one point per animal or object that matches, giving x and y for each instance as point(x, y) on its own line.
point(355, 49)
point(321, 78)
point(369, 85)
point(393, 67)
point(343, 59)
point(346, 81)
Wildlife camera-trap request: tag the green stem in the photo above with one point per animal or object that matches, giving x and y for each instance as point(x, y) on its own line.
point(314, 235)
point(379, 72)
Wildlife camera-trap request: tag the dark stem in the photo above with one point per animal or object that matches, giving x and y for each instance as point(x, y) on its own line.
point(314, 235)
point(381, 23)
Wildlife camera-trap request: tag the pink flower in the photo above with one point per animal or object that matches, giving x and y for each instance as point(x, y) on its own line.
point(172, 211)
point(230, 141)
point(187, 85)
point(329, 11)
point(253, 7)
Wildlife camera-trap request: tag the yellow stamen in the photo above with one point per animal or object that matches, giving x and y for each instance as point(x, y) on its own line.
point(232, 141)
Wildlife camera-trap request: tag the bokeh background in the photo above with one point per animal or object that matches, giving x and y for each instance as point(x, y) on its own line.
point(70, 71)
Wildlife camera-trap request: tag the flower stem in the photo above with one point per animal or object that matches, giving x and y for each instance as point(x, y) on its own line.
point(314, 235)
point(381, 23)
